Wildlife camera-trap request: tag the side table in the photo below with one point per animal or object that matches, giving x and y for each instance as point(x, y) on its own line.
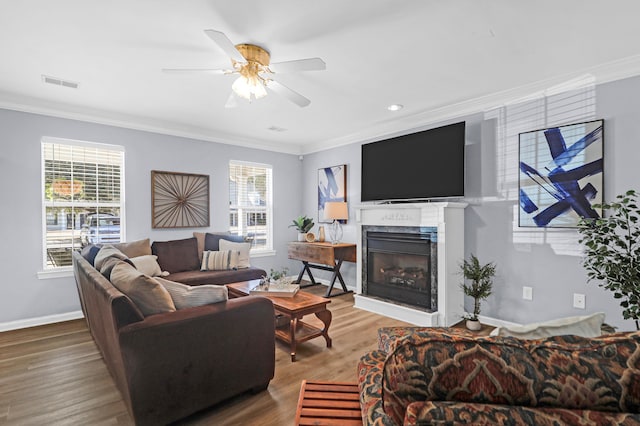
point(324, 256)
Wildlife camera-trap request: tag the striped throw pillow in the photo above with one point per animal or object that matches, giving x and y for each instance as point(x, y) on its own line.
point(185, 296)
point(220, 260)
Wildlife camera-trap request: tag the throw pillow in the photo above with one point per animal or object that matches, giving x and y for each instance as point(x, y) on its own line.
point(108, 264)
point(177, 255)
point(243, 248)
point(212, 240)
point(105, 252)
point(186, 296)
point(135, 248)
point(584, 326)
point(90, 252)
point(199, 236)
point(219, 260)
point(148, 265)
point(147, 293)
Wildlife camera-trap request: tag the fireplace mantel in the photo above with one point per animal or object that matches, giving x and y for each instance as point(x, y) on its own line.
point(448, 218)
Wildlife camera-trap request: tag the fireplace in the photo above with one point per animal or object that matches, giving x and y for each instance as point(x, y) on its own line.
point(400, 265)
point(408, 261)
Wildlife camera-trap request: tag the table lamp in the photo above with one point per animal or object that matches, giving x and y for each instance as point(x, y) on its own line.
point(336, 211)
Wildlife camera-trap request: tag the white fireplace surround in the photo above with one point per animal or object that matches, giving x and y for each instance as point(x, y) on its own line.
point(448, 218)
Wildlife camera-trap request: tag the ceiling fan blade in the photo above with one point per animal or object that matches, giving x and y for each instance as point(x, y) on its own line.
point(311, 64)
point(291, 95)
point(195, 70)
point(232, 100)
point(225, 44)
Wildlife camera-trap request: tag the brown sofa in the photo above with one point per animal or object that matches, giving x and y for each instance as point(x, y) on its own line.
point(170, 365)
point(423, 376)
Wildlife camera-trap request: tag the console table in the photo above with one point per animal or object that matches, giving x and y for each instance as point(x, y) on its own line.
point(325, 256)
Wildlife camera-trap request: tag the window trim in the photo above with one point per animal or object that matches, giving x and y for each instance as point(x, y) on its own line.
point(269, 250)
point(65, 271)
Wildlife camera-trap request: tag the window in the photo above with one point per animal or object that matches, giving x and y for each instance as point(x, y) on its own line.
point(250, 211)
point(82, 187)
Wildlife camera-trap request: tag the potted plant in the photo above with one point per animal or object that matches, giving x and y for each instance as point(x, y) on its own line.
point(612, 251)
point(481, 283)
point(303, 224)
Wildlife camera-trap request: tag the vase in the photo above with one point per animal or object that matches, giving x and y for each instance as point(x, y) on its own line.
point(321, 234)
point(302, 236)
point(473, 325)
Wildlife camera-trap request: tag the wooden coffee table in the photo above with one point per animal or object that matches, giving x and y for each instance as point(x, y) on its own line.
point(293, 309)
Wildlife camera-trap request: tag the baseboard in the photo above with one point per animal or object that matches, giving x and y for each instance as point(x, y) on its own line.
point(34, 322)
point(327, 283)
point(496, 322)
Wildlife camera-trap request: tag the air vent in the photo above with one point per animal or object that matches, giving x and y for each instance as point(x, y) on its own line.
point(277, 129)
point(59, 82)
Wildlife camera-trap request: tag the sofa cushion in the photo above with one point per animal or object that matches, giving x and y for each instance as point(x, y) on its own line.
point(135, 248)
point(147, 293)
point(452, 412)
point(242, 248)
point(585, 326)
point(177, 255)
point(562, 371)
point(219, 260)
point(217, 277)
point(186, 296)
point(148, 265)
point(104, 253)
point(212, 240)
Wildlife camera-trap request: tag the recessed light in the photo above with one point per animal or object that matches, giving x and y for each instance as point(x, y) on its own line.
point(395, 107)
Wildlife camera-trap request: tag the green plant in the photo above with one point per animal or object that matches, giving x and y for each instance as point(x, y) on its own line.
point(612, 251)
point(481, 277)
point(276, 274)
point(302, 224)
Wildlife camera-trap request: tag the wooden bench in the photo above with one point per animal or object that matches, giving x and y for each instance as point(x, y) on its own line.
point(329, 403)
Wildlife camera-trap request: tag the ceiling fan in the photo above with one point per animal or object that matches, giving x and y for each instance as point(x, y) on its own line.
point(256, 73)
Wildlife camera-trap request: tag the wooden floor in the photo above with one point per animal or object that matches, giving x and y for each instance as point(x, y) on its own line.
point(54, 374)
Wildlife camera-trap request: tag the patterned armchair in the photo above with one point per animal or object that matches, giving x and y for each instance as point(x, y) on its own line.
point(447, 376)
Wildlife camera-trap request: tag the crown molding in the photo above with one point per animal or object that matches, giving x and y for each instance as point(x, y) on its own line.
point(20, 103)
point(397, 125)
point(415, 121)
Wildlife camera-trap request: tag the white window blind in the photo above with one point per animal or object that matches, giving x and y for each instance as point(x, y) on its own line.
point(250, 210)
point(82, 197)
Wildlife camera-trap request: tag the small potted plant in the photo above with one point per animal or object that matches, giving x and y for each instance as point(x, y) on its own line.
point(481, 282)
point(303, 224)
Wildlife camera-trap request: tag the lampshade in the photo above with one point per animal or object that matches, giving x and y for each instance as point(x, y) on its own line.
point(336, 210)
point(247, 86)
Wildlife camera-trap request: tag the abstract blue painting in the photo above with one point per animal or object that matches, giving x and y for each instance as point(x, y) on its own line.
point(561, 174)
point(332, 186)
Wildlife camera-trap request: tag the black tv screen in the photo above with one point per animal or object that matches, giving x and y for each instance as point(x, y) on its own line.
point(422, 165)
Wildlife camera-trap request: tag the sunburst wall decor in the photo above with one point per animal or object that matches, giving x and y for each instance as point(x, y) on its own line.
point(179, 200)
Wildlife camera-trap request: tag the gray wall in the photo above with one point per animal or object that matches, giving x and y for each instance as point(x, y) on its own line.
point(22, 295)
point(548, 260)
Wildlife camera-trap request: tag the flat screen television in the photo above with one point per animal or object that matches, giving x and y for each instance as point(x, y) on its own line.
point(418, 166)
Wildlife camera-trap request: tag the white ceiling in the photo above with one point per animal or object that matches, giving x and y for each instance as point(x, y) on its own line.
point(439, 58)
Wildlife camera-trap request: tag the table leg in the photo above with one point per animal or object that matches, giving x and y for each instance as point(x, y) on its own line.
point(307, 269)
point(292, 336)
point(338, 275)
point(325, 317)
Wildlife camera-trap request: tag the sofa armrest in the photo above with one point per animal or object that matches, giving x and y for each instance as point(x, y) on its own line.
point(449, 412)
point(179, 362)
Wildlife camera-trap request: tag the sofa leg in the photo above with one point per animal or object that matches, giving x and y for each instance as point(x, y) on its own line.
point(260, 388)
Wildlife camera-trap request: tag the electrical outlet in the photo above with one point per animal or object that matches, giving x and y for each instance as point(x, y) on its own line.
point(527, 293)
point(579, 301)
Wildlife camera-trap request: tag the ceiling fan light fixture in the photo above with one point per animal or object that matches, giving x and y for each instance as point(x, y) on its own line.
point(250, 83)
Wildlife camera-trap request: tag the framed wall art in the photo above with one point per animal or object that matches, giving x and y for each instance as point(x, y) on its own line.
point(332, 186)
point(179, 200)
point(561, 174)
